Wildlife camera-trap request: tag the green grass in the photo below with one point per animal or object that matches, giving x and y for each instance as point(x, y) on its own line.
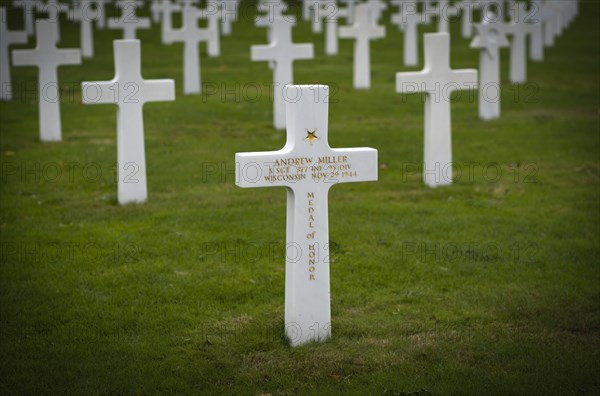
point(489, 286)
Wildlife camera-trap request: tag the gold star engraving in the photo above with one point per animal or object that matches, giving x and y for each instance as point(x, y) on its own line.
point(311, 137)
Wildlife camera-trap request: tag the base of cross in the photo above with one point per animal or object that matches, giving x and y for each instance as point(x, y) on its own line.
point(308, 168)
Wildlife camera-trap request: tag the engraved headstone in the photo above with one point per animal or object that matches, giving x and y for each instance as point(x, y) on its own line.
point(438, 81)
point(308, 168)
point(129, 91)
point(129, 21)
point(7, 37)
point(362, 31)
point(282, 52)
point(47, 58)
point(191, 35)
point(490, 37)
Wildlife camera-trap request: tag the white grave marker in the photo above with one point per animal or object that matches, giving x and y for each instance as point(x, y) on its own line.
point(445, 11)
point(362, 31)
point(28, 7)
point(331, 27)
point(191, 36)
point(212, 15)
point(550, 16)
point(438, 81)
point(466, 9)
point(85, 14)
point(519, 28)
point(348, 11)
point(53, 8)
point(274, 10)
point(308, 168)
point(46, 57)
point(229, 14)
point(129, 21)
point(489, 39)
point(101, 12)
point(155, 10)
point(320, 8)
point(282, 52)
point(306, 9)
point(129, 91)
point(166, 8)
point(408, 20)
point(376, 7)
point(536, 43)
point(7, 37)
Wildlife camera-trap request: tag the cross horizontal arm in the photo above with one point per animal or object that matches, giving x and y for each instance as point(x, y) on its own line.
point(159, 90)
point(268, 169)
point(100, 92)
point(26, 58)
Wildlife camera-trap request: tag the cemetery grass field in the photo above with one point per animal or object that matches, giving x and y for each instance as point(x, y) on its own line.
point(488, 286)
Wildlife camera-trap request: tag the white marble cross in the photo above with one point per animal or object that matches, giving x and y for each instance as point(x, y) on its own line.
point(490, 37)
point(53, 8)
point(213, 17)
point(320, 9)
point(101, 13)
point(166, 8)
point(229, 14)
point(129, 21)
point(444, 12)
point(29, 7)
point(85, 13)
point(466, 10)
point(363, 31)
point(348, 11)
point(408, 20)
point(308, 168)
point(47, 58)
point(191, 36)
point(129, 91)
point(536, 43)
point(275, 10)
point(519, 28)
point(282, 52)
point(377, 7)
point(551, 18)
point(306, 9)
point(7, 37)
point(438, 81)
point(332, 13)
point(155, 10)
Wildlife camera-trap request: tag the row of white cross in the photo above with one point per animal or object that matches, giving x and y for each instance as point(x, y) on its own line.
point(436, 79)
point(307, 166)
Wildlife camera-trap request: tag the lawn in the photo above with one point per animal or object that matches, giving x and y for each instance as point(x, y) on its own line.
point(488, 286)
